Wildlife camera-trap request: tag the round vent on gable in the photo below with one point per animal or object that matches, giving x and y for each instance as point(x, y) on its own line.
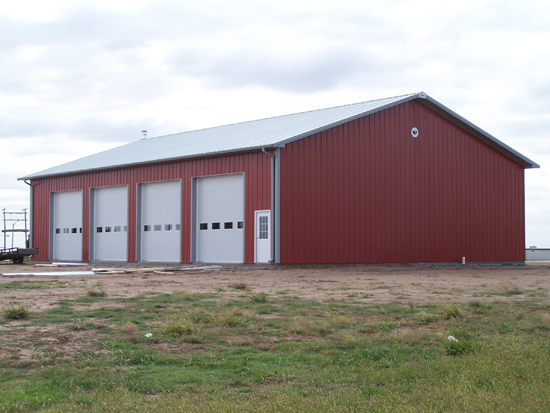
point(414, 133)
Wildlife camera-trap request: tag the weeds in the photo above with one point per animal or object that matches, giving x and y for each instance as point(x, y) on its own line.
point(456, 348)
point(191, 340)
point(509, 289)
point(229, 319)
point(259, 297)
point(129, 328)
point(478, 306)
point(97, 293)
point(239, 286)
point(450, 311)
point(178, 325)
point(199, 317)
point(425, 317)
point(545, 319)
point(306, 326)
point(15, 311)
point(80, 325)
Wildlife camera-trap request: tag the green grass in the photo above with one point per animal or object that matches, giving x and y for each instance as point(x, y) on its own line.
point(211, 354)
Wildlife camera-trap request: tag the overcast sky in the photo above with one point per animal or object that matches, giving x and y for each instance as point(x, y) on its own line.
point(78, 77)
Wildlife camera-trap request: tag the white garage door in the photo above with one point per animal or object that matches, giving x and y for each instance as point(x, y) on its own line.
point(110, 223)
point(67, 226)
point(220, 218)
point(161, 221)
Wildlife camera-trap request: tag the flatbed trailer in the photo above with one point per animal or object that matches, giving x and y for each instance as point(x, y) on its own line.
point(17, 255)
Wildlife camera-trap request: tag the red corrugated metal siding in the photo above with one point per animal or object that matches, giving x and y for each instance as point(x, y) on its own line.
point(256, 166)
point(367, 191)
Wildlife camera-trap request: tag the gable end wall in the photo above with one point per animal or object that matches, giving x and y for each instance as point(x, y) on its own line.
point(367, 191)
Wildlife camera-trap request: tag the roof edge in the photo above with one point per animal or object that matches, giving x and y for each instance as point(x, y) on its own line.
point(156, 161)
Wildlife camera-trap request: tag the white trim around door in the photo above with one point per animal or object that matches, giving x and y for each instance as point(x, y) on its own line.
point(262, 236)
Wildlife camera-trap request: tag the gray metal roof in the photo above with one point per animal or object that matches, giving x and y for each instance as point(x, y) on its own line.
point(263, 133)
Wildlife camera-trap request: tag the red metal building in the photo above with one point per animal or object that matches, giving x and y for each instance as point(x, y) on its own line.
point(402, 179)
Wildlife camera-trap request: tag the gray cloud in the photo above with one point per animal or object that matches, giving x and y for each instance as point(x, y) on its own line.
point(297, 71)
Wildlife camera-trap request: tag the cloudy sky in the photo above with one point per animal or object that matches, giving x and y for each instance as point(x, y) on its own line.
point(78, 77)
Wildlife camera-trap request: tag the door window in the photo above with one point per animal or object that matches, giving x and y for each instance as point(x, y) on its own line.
point(264, 228)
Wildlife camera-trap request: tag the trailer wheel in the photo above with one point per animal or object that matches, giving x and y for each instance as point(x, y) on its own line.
point(18, 260)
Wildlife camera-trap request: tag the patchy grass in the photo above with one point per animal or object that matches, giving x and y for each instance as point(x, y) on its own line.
point(31, 285)
point(207, 353)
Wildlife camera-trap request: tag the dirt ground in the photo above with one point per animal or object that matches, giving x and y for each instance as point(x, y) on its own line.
point(23, 341)
point(416, 284)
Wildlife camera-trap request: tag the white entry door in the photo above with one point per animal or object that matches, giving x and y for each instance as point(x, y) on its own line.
point(110, 223)
point(220, 218)
point(67, 225)
point(262, 233)
point(161, 221)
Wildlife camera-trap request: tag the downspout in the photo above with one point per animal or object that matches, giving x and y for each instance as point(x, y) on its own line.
point(271, 255)
point(31, 188)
